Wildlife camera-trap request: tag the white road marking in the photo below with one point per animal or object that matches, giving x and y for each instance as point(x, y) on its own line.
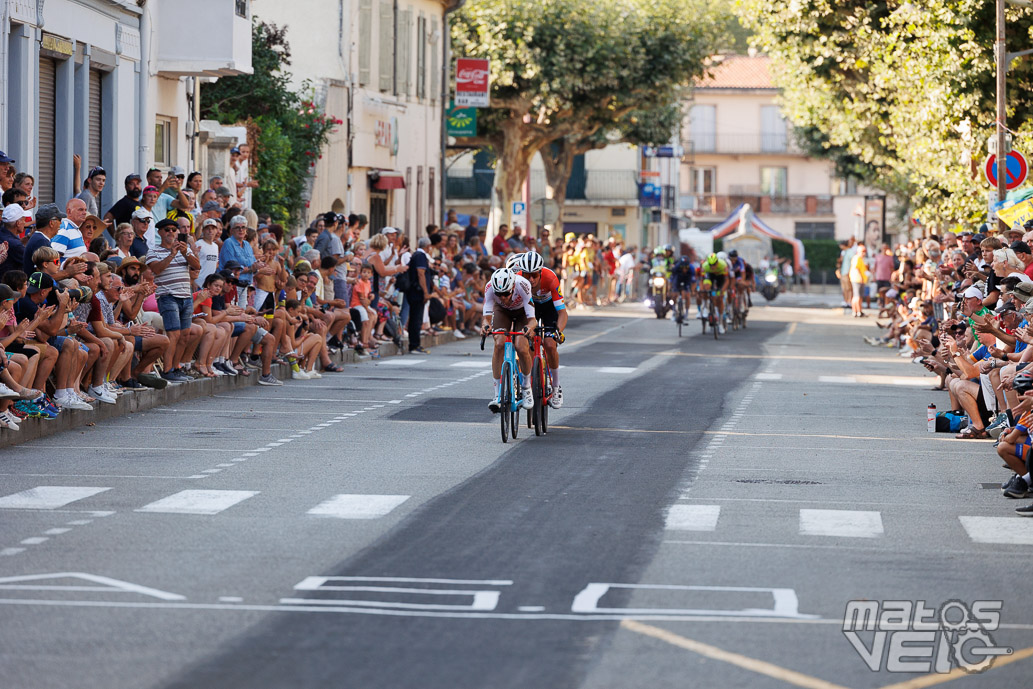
point(350, 506)
point(55, 532)
point(35, 540)
point(768, 376)
point(1003, 530)
point(616, 369)
point(198, 501)
point(47, 497)
point(211, 471)
point(785, 601)
point(401, 362)
point(23, 583)
point(80, 522)
point(230, 599)
point(531, 608)
point(845, 523)
point(693, 517)
point(224, 465)
point(11, 551)
point(471, 364)
point(837, 379)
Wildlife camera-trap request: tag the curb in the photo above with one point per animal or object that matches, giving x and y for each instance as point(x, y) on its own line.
point(131, 402)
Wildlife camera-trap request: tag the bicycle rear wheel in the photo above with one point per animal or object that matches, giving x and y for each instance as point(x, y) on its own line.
point(505, 395)
point(538, 393)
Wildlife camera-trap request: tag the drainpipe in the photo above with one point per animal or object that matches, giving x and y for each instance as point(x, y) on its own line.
point(446, 71)
point(145, 124)
point(5, 29)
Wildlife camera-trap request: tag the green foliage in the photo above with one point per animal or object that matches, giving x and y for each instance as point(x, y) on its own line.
point(821, 253)
point(291, 129)
point(899, 94)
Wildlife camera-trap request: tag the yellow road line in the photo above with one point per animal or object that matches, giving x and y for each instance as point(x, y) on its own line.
point(958, 673)
point(792, 328)
point(745, 662)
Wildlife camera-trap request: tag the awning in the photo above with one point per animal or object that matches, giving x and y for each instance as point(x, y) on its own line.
point(385, 180)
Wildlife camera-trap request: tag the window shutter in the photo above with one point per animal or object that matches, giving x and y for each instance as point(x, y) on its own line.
point(47, 99)
point(435, 69)
point(387, 52)
point(94, 154)
point(421, 57)
point(365, 40)
point(402, 52)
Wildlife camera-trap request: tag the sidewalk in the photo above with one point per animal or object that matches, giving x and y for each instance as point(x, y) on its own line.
point(142, 400)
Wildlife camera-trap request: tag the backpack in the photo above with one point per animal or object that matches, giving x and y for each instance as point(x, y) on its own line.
point(950, 422)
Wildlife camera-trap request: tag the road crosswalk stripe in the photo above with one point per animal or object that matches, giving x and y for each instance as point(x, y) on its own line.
point(198, 501)
point(617, 369)
point(350, 506)
point(693, 517)
point(1003, 530)
point(48, 497)
point(401, 362)
point(846, 523)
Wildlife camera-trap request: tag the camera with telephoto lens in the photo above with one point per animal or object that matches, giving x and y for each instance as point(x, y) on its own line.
point(80, 294)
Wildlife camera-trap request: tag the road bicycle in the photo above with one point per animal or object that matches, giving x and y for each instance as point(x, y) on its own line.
point(680, 312)
point(541, 380)
point(712, 318)
point(508, 384)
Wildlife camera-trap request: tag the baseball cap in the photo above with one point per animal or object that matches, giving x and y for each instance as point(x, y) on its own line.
point(97, 171)
point(142, 214)
point(973, 293)
point(223, 191)
point(150, 189)
point(235, 149)
point(39, 282)
point(1020, 247)
point(178, 171)
point(13, 212)
point(209, 221)
point(6, 292)
point(1005, 307)
point(232, 265)
point(4, 158)
point(47, 212)
point(130, 177)
point(389, 230)
point(211, 206)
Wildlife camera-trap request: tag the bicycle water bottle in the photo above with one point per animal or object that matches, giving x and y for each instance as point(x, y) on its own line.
point(931, 418)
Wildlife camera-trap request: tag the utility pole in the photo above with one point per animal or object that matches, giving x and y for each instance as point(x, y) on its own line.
point(1002, 111)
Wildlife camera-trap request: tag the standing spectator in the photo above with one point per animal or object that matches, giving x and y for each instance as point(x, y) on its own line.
point(69, 241)
point(243, 174)
point(5, 167)
point(236, 248)
point(90, 194)
point(858, 274)
point(171, 263)
point(516, 240)
point(846, 257)
point(418, 292)
point(471, 230)
point(154, 177)
point(499, 245)
point(207, 250)
point(884, 267)
point(124, 240)
point(122, 211)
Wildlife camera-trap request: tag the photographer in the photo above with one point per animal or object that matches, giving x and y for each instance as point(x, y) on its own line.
point(171, 262)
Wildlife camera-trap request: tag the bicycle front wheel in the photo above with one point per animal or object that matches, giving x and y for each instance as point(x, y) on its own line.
point(505, 399)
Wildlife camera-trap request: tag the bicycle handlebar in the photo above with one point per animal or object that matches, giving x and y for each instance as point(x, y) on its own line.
point(501, 332)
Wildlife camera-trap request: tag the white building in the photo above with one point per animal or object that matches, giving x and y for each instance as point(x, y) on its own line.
point(113, 81)
point(377, 64)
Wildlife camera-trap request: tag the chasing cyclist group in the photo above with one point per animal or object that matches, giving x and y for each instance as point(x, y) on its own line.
point(718, 278)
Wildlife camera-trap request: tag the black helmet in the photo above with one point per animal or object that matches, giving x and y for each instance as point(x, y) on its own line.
point(733, 254)
point(1023, 382)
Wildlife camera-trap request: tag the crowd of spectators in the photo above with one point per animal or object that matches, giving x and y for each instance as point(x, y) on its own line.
point(960, 305)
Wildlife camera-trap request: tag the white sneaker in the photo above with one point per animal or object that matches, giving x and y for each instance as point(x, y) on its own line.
point(556, 401)
point(11, 420)
point(313, 374)
point(102, 395)
point(72, 402)
point(110, 387)
point(459, 334)
point(300, 375)
point(8, 393)
point(528, 400)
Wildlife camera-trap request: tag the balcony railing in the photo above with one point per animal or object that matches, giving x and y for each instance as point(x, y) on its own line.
point(723, 204)
point(733, 143)
point(584, 185)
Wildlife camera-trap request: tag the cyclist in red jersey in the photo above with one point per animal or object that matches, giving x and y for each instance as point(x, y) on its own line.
point(549, 310)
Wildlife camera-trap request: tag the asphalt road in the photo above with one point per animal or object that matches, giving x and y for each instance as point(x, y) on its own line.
point(699, 515)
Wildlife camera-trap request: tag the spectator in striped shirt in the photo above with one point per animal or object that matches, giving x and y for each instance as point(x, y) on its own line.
point(171, 263)
point(69, 241)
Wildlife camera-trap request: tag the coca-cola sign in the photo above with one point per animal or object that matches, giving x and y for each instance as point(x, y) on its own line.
point(472, 82)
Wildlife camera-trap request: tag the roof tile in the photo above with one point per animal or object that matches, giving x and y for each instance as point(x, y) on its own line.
point(739, 72)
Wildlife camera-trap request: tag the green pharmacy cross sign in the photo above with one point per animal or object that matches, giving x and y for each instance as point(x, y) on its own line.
point(461, 121)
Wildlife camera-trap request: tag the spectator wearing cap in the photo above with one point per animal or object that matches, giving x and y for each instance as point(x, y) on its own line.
point(1024, 254)
point(13, 222)
point(208, 249)
point(236, 248)
point(211, 209)
point(48, 222)
point(122, 210)
point(171, 263)
point(143, 224)
point(224, 196)
point(90, 195)
point(68, 241)
point(6, 171)
point(1013, 234)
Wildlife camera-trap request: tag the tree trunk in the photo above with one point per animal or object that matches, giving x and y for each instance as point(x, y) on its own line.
point(513, 162)
point(559, 163)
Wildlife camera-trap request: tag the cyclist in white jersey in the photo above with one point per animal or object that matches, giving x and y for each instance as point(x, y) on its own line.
point(508, 306)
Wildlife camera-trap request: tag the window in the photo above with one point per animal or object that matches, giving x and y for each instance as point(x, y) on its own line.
point(435, 70)
point(421, 57)
point(365, 40)
point(815, 230)
point(702, 128)
point(163, 141)
point(772, 130)
point(240, 7)
point(773, 182)
point(386, 58)
point(701, 180)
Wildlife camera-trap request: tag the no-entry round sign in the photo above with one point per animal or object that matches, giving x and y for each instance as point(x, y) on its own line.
point(1015, 174)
